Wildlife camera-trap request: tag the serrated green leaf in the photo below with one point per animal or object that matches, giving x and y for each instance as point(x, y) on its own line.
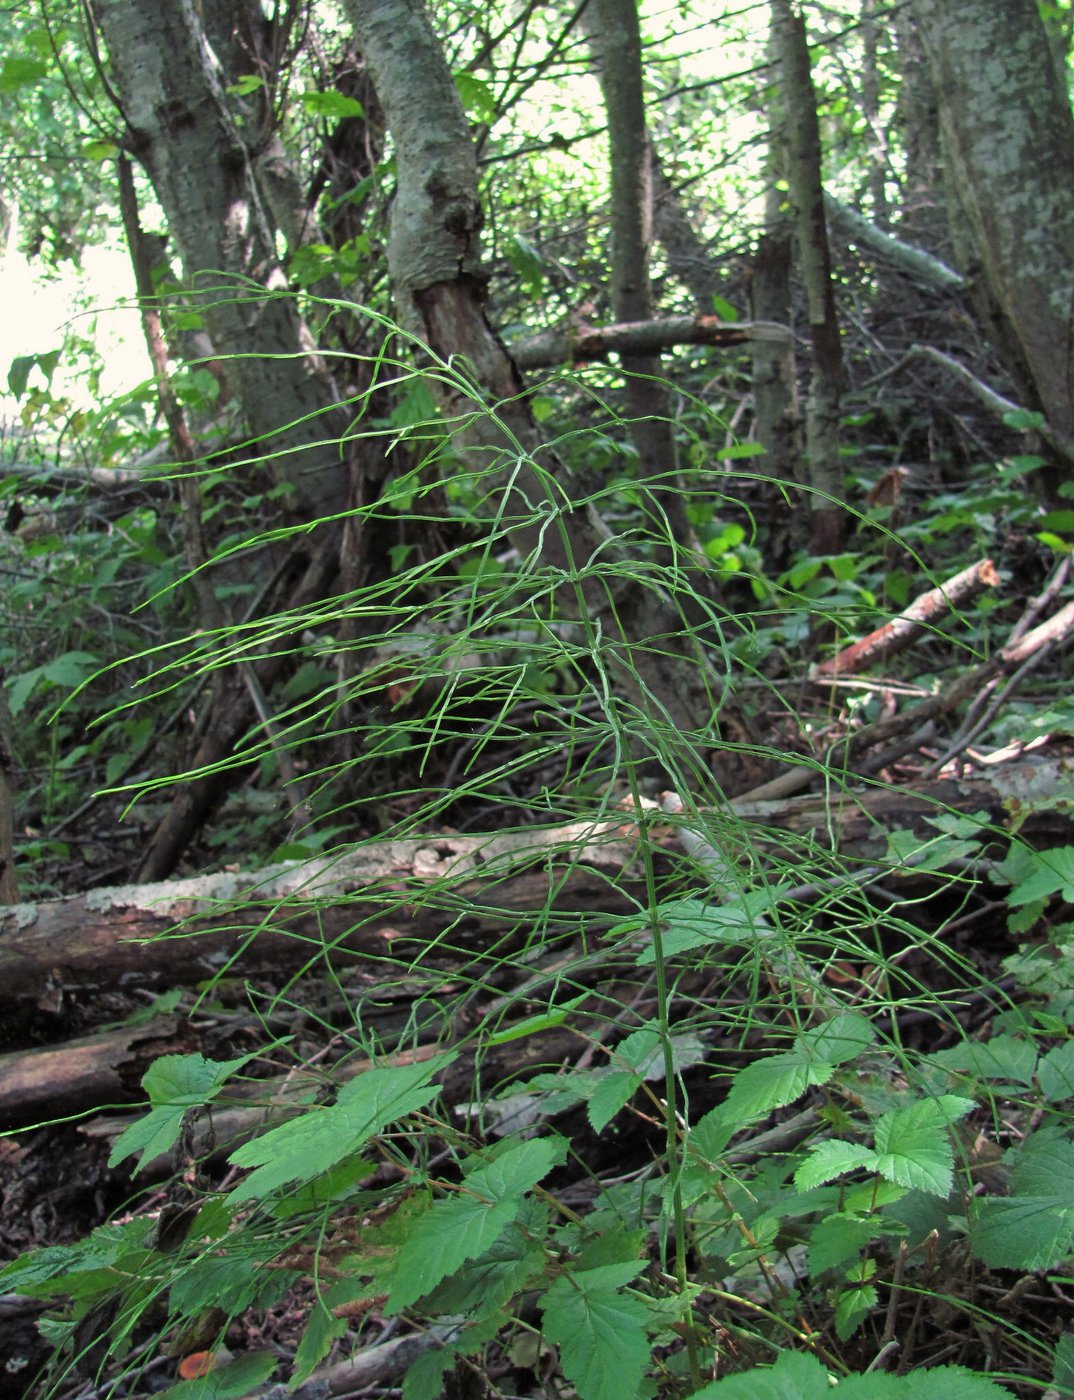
point(912, 1144)
point(20, 688)
point(612, 1092)
point(1033, 1227)
point(837, 1239)
point(711, 1134)
point(322, 1329)
point(70, 669)
point(229, 1281)
point(799, 1377)
point(773, 1082)
point(1004, 1057)
point(175, 1084)
point(308, 1146)
point(831, 1159)
point(1052, 873)
point(795, 1376)
point(837, 1040)
point(44, 1271)
point(1063, 1365)
point(939, 1383)
point(465, 1225)
point(1055, 1073)
point(486, 1283)
point(908, 849)
point(600, 1332)
point(425, 1378)
point(852, 1307)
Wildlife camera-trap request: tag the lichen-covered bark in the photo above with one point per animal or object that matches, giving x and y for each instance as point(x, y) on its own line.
point(802, 152)
point(169, 85)
point(1008, 144)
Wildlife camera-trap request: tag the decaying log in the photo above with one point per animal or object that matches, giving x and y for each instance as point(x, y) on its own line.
point(96, 1069)
point(242, 1109)
point(393, 898)
point(387, 899)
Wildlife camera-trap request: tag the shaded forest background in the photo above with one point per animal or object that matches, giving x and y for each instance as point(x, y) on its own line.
point(592, 549)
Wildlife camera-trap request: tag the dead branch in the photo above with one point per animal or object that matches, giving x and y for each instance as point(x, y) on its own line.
point(921, 614)
point(560, 347)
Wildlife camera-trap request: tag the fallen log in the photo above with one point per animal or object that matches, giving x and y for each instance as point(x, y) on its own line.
point(441, 898)
point(105, 1068)
point(391, 899)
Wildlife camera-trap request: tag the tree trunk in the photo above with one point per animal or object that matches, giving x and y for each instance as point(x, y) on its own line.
point(777, 424)
point(800, 142)
point(182, 131)
point(615, 37)
point(653, 667)
point(1008, 143)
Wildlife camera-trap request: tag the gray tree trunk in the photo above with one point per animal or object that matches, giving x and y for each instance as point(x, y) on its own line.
point(180, 128)
point(777, 422)
point(656, 674)
point(615, 37)
point(800, 141)
point(1008, 144)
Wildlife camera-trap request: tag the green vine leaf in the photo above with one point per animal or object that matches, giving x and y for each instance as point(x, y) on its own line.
point(799, 1377)
point(913, 1147)
point(1033, 1227)
point(175, 1084)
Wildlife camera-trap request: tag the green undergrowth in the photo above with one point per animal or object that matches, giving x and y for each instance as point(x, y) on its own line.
point(722, 1126)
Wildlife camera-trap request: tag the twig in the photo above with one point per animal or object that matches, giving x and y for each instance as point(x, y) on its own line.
point(900, 631)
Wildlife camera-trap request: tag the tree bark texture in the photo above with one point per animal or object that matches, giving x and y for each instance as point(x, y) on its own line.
point(799, 141)
point(1008, 144)
point(181, 129)
point(375, 902)
point(777, 421)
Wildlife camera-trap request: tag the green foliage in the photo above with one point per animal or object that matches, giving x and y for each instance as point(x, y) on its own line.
point(175, 1084)
point(452, 687)
point(795, 1377)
